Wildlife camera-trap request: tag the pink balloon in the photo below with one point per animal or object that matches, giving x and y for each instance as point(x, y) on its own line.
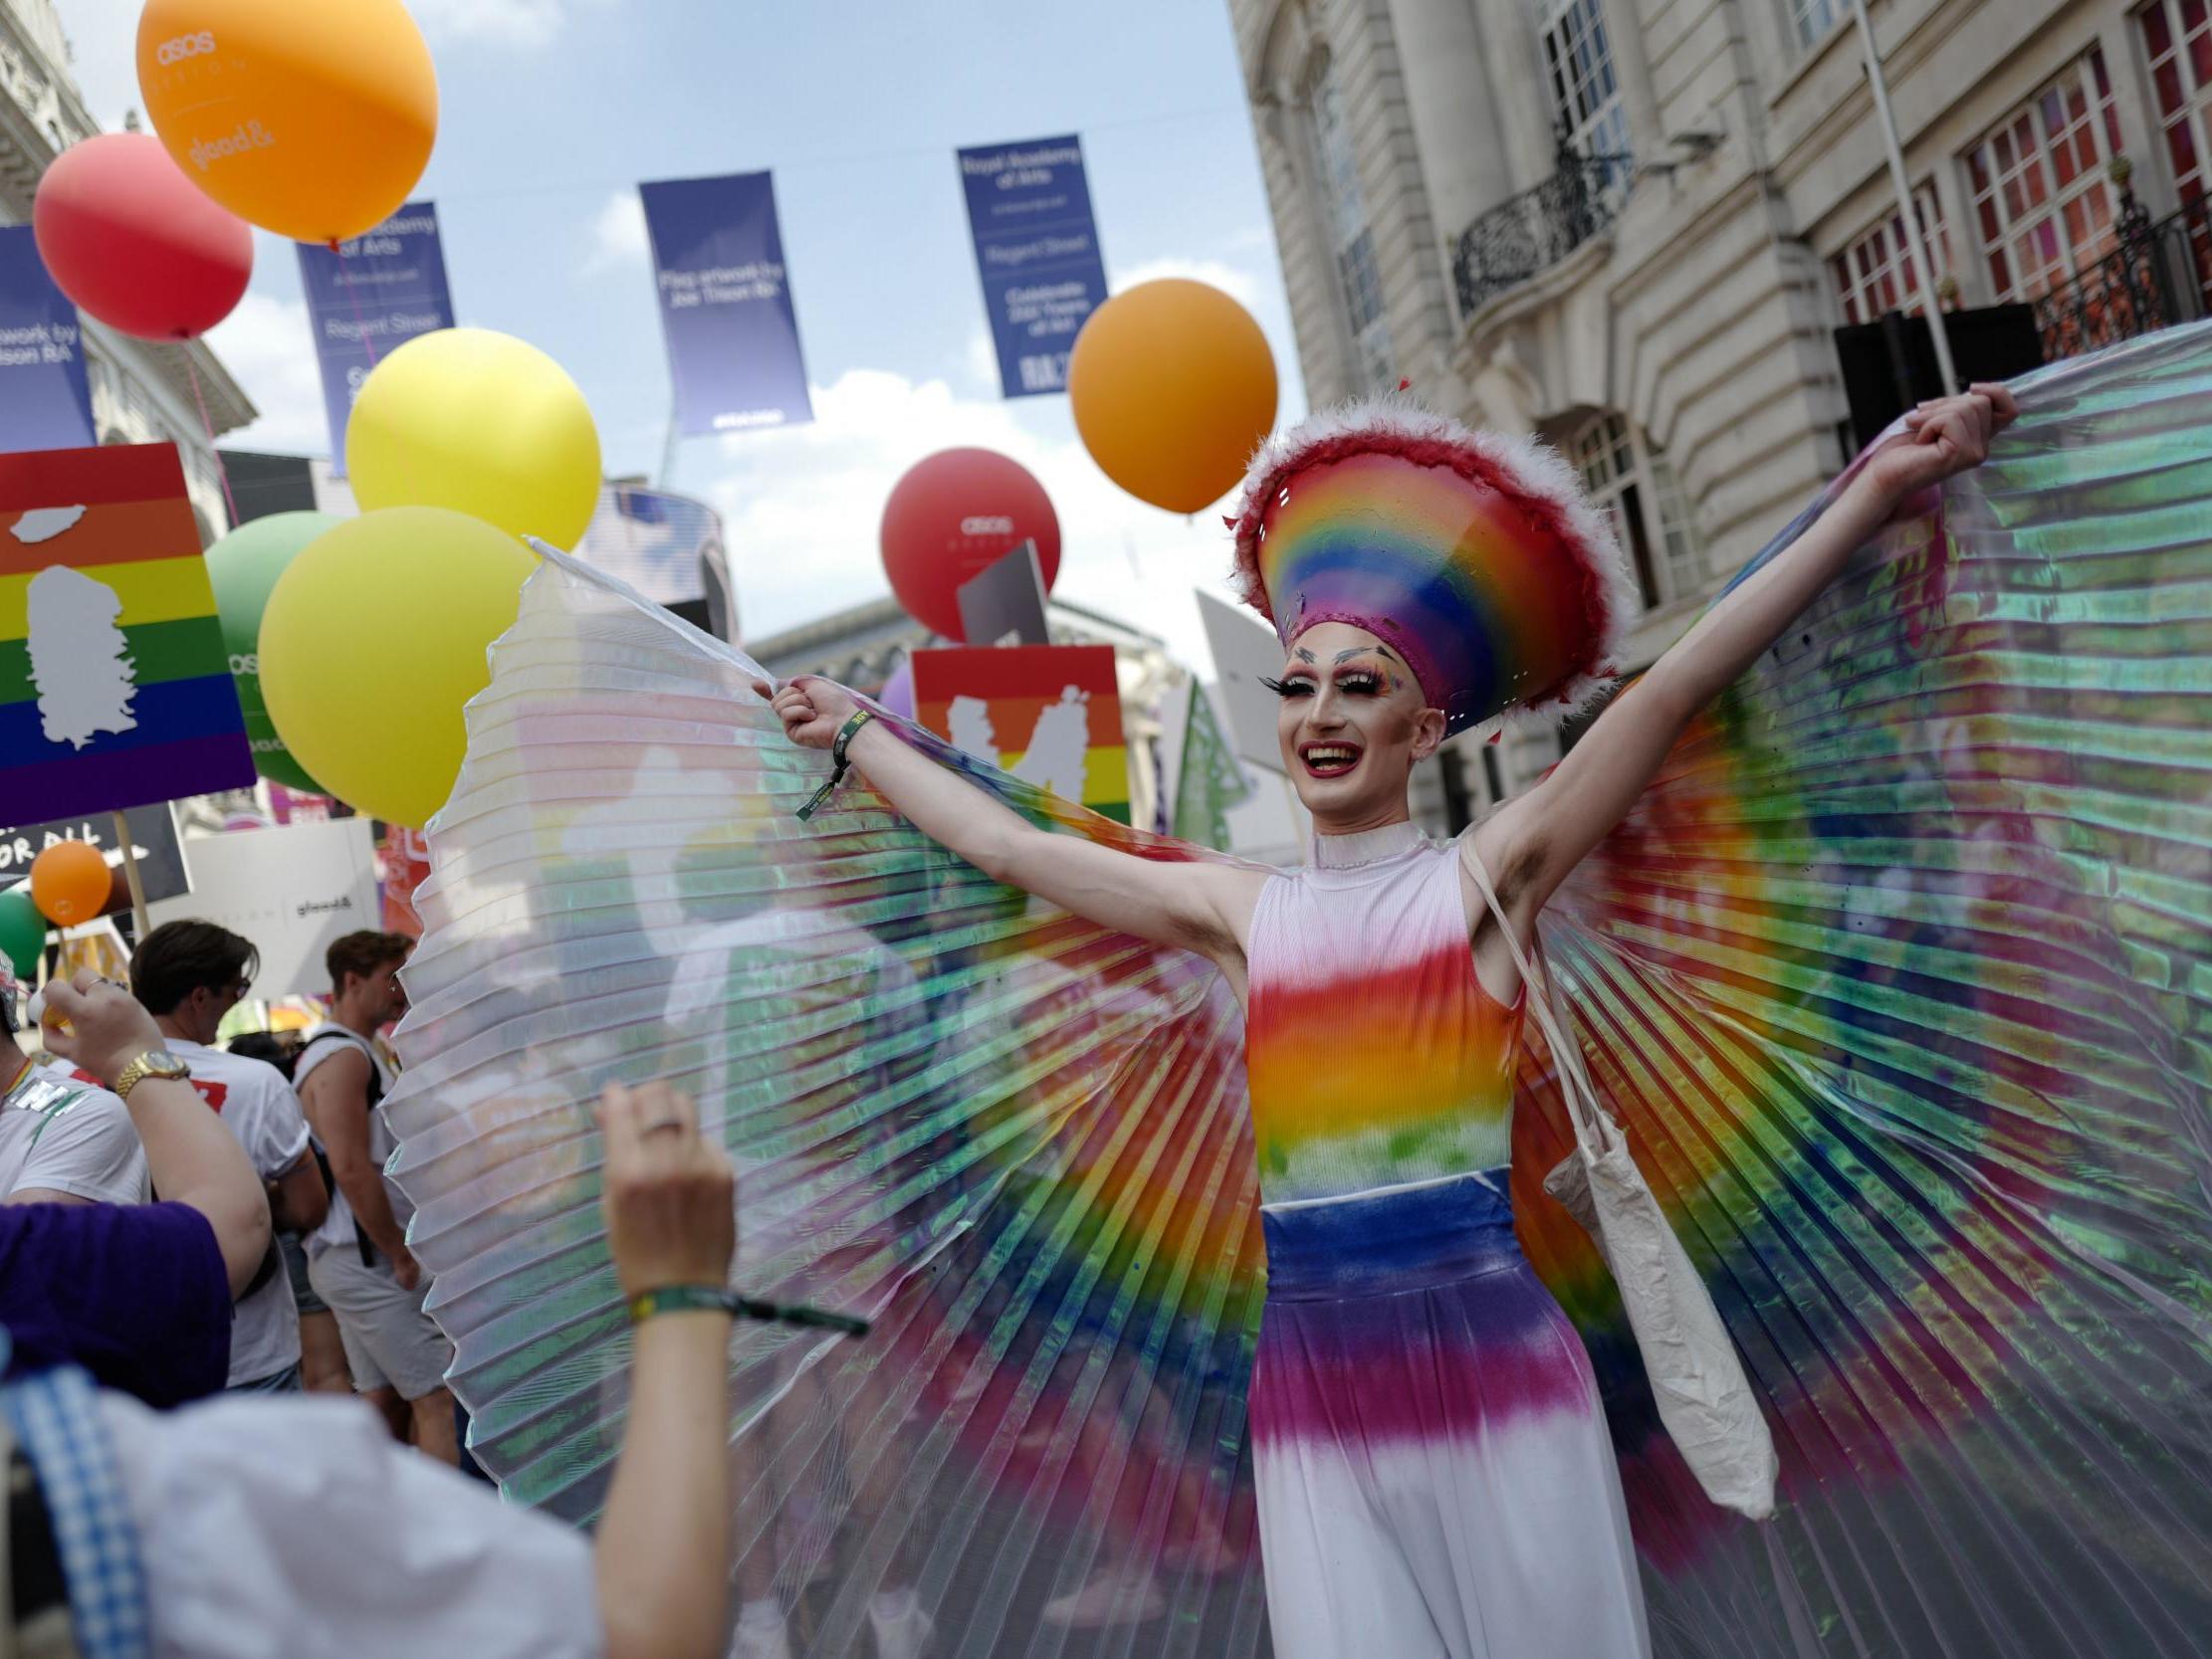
point(135, 242)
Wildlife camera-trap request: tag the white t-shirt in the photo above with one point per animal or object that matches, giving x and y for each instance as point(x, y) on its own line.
point(257, 1106)
point(61, 1133)
point(299, 1529)
point(338, 1227)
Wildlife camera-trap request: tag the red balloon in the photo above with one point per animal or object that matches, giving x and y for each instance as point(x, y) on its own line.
point(950, 516)
point(133, 241)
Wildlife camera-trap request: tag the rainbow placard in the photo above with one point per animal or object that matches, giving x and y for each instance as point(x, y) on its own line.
point(115, 684)
point(1047, 713)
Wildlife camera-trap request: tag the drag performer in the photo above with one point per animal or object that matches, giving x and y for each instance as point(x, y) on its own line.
point(1193, 1200)
point(1430, 1452)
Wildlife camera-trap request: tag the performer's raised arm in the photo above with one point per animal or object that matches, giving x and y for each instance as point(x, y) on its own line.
point(1203, 908)
point(1543, 834)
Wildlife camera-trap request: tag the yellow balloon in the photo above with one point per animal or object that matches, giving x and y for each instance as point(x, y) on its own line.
point(482, 423)
point(373, 638)
point(313, 118)
point(1172, 387)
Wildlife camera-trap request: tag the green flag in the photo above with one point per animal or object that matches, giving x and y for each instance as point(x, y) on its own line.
point(1208, 781)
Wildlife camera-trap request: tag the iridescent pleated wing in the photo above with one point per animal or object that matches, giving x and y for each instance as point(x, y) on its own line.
point(1014, 1140)
point(1898, 977)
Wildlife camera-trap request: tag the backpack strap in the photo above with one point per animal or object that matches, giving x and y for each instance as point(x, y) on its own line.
point(375, 1099)
point(348, 1040)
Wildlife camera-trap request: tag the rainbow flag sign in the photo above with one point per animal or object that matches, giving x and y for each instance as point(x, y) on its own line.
point(114, 685)
point(1047, 713)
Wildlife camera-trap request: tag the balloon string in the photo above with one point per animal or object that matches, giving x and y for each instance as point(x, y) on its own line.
point(361, 318)
point(207, 426)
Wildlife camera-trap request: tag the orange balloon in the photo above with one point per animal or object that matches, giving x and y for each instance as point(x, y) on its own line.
point(1172, 388)
point(311, 120)
point(70, 882)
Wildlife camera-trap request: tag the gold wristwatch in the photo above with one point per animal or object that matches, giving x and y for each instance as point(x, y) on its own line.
point(155, 1062)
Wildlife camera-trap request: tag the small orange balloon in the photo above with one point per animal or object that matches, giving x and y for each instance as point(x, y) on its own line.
point(70, 882)
point(314, 121)
point(1172, 387)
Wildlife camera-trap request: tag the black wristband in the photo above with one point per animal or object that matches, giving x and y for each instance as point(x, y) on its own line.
point(840, 764)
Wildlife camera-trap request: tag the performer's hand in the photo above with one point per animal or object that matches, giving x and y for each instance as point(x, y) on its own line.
point(668, 1193)
point(810, 708)
point(1940, 439)
point(96, 1025)
point(407, 1272)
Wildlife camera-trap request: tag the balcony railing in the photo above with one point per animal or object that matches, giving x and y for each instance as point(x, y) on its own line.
point(1533, 230)
point(2156, 275)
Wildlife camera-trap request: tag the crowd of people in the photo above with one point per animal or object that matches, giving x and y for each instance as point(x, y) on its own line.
point(208, 1228)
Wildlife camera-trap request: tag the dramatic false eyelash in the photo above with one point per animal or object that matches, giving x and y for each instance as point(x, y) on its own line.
point(1363, 683)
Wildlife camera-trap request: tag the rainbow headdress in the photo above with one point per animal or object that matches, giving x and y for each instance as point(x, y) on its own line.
point(1478, 557)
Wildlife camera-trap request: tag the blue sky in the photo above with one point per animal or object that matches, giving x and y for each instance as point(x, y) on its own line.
point(552, 110)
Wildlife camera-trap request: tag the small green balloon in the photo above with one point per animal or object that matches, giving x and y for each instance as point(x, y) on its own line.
point(244, 568)
point(22, 931)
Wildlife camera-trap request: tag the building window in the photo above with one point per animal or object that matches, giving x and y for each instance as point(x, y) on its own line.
point(2178, 41)
point(1683, 561)
point(2043, 202)
point(1351, 238)
point(1584, 90)
point(1875, 275)
point(1632, 482)
point(1813, 19)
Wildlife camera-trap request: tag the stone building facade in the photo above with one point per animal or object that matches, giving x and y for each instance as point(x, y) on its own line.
point(143, 390)
point(1632, 225)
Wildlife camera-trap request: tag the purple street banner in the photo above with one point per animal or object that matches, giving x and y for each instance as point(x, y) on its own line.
point(114, 681)
point(44, 400)
point(366, 298)
point(726, 304)
point(1037, 248)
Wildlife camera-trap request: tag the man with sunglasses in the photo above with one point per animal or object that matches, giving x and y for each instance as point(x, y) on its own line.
point(188, 976)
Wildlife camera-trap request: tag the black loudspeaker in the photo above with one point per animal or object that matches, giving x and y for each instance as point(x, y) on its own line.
point(695, 612)
point(1890, 365)
point(263, 483)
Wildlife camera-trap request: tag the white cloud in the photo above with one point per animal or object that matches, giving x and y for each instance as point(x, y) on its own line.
point(980, 362)
point(269, 348)
point(802, 505)
point(618, 233)
point(1239, 285)
point(529, 24)
point(103, 55)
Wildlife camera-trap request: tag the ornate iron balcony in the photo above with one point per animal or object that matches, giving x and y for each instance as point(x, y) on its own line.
point(2158, 276)
point(1533, 230)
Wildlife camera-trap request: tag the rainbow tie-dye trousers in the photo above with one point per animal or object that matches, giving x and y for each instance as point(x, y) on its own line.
point(1435, 1475)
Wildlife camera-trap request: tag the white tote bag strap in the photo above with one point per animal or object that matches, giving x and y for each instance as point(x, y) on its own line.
point(1592, 1123)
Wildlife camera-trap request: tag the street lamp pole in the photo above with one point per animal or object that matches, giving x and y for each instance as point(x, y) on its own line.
point(1918, 243)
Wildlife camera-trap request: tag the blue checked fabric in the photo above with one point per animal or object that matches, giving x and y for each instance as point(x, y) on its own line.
point(56, 1419)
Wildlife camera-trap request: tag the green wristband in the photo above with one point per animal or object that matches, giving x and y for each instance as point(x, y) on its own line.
point(688, 1299)
point(683, 1299)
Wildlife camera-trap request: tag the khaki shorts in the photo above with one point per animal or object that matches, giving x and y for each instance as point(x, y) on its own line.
point(390, 1343)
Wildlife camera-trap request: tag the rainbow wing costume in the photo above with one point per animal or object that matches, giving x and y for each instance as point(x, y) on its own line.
point(1897, 977)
